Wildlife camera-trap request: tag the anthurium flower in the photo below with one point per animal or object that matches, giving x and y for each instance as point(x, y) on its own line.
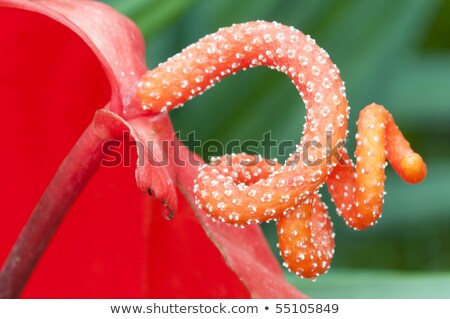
point(242, 190)
point(68, 77)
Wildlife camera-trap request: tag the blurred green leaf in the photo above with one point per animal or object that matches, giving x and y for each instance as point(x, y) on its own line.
point(420, 90)
point(421, 204)
point(152, 15)
point(375, 284)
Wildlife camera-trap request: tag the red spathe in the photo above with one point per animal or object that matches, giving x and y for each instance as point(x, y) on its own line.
point(59, 63)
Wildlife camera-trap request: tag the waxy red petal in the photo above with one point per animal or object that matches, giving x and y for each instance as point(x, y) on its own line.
point(53, 80)
point(60, 62)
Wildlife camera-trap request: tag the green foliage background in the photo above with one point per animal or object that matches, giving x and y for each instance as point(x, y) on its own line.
point(396, 53)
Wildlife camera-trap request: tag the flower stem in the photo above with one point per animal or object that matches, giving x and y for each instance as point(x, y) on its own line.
point(70, 179)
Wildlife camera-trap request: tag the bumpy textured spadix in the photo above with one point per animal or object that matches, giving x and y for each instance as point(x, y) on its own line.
point(239, 193)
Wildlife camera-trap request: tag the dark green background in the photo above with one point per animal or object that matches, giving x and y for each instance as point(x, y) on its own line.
point(395, 53)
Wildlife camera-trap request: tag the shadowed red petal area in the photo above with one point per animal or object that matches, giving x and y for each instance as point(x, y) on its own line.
point(114, 242)
point(155, 173)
